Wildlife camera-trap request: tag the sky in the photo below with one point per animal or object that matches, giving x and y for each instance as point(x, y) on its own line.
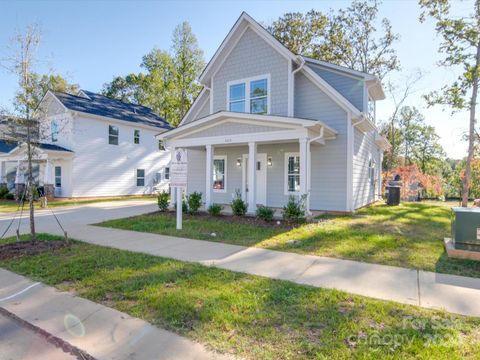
point(90, 42)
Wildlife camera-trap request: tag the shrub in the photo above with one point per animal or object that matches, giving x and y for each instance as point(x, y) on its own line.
point(9, 196)
point(163, 200)
point(294, 211)
point(184, 206)
point(239, 207)
point(3, 192)
point(194, 202)
point(215, 209)
point(265, 213)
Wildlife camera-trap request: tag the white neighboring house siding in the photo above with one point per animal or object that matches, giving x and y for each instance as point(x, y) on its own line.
point(101, 169)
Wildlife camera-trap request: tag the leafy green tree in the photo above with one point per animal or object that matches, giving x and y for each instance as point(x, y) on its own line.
point(188, 60)
point(126, 88)
point(348, 37)
point(461, 47)
point(426, 151)
point(412, 125)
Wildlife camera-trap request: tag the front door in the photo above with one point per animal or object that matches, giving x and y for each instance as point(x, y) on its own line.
point(260, 177)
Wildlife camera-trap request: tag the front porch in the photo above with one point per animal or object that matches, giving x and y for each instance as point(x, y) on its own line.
point(264, 158)
point(50, 166)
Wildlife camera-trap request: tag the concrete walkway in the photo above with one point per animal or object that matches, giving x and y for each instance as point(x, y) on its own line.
point(431, 290)
point(100, 331)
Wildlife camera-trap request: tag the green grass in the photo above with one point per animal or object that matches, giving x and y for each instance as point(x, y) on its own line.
point(251, 316)
point(12, 206)
point(410, 235)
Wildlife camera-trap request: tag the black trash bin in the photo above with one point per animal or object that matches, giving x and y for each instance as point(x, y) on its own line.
point(393, 195)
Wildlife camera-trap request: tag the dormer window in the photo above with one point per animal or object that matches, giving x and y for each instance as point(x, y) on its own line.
point(249, 95)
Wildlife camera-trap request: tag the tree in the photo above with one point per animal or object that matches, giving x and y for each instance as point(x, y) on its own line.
point(21, 63)
point(188, 60)
point(461, 46)
point(412, 125)
point(54, 82)
point(426, 151)
point(126, 88)
point(349, 37)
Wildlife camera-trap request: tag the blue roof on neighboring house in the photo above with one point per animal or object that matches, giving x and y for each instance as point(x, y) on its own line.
point(7, 146)
point(97, 104)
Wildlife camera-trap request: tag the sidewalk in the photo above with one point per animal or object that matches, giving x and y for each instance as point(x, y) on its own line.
point(452, 293)
point(100, 331)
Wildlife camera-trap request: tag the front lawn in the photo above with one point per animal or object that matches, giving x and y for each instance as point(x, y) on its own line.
point(410, 235)
point(12, 206)
point(251, 316)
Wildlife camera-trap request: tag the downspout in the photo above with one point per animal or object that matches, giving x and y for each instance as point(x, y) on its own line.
point(301, 60)
point(309, 165)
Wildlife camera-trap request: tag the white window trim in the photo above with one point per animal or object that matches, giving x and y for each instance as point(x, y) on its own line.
point(220, 157)
point(118, 135)
point(54, 132)
point(55, 176)
point(247, 82)
point(285, 173)
point(165, 173)
point(137, 177)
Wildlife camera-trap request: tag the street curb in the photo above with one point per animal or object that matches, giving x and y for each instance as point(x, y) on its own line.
point(57, 342)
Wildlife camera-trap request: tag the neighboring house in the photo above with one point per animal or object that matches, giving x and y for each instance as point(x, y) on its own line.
point(90, 146)
point(271, 124)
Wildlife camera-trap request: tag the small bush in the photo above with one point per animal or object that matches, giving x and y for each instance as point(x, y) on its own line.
point(215, 209)
point(239, 207)
point(9, 196)
point(194, 202)
point(294, 211)
point(265, 213)
point(3, 192)
point(163, 200)
point(184, 206)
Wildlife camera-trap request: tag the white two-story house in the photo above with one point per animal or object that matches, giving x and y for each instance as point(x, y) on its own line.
point(270, 124)
point(91, 145)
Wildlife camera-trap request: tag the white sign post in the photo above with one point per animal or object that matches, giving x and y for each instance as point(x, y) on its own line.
point(178, 179)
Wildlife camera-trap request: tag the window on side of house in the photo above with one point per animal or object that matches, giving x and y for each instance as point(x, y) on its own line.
point(167, 173)
point(371, 169)
point(54, 130)
point(219, 173)
point(58, 176)
point(237, 98)
point(113, 134)
point(136, 136)
point(140, 177)
point(161, 145)
point(292, 167)
point(258, 97)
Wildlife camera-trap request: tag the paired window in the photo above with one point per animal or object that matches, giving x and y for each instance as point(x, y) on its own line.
point(140, 177)
point(58, 176)
point(113, 134)
point(161, 145)
point(219, 173)
point(55, 130)
point(292, 166)
point(249, 96)
point(136, 136)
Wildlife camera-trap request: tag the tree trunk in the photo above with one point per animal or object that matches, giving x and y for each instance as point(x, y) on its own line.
point(471, 133)
point(30, 181)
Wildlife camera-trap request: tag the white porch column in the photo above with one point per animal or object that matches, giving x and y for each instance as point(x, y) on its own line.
point(19, 175)
point(252, 171)
point(208, 175)
point(304, 173)
point(3, 172)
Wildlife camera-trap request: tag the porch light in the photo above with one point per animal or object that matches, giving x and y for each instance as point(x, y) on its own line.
point(239, 162)
point(269, 161)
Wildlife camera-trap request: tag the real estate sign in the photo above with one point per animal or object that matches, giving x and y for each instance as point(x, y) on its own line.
point(178, 169)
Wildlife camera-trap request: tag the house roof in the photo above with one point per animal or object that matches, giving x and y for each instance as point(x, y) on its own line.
point(8, 146)
point(96, 104)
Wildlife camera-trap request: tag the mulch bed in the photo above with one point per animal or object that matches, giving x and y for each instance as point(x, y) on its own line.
point(28, 248)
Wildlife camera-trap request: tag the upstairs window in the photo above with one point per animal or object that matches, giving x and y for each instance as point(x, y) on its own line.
point(237, 98)
point(161, 145)
point(136, 136)
point(113, 135)
point(249, 95)
point(54, 130)
point(140, 177)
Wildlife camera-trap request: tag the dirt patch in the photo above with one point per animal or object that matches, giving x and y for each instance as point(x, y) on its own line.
point(28, 248)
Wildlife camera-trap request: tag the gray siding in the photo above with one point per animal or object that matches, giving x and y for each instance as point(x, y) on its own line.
point(363, 188)
point(351, 88)
point(329, 162)
point(196, 171)
point(252, 56)
point(200, 108)
point(232, 129)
